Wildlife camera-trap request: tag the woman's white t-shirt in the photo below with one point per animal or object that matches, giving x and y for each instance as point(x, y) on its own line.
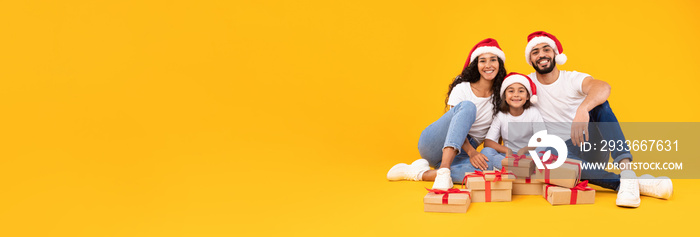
point(484, 109)
point(516, 130)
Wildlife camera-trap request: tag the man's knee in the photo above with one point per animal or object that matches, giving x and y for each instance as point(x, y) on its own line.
point(601, 110)
point(605, 106)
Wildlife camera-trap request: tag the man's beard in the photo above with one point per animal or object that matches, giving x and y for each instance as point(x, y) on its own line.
point(546, 70)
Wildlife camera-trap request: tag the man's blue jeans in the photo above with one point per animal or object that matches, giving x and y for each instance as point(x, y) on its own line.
point(603, 126)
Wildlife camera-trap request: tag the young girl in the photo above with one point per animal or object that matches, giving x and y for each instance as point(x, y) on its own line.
point(516, 122)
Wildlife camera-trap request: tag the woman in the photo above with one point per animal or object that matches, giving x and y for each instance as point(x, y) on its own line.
point(448, 144)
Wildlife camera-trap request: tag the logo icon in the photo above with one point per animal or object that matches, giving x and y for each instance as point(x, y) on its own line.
point(542, 139)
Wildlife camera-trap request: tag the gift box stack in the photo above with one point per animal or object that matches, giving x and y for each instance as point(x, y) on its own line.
point(519, 176)
point(523, 167)
point(452, 200)
point(490, 186)
point(562, 186)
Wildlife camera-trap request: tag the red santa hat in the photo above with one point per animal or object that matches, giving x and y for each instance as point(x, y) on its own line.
point(488, 45)
point(515, 77)
point(539, 37)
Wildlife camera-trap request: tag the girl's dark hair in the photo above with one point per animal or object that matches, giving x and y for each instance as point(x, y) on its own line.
point(504, 107)
point(471, 74)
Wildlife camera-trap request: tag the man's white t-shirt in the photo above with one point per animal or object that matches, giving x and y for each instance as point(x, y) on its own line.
point(484, 109)
point(516, 131)
point(557, 102)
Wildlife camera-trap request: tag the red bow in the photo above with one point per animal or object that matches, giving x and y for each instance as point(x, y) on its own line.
point(552, 159)
point(517, 158)
point(446, 193)
point(475, 174)
point(487, 184)
point(499, 174)
point(583, 186)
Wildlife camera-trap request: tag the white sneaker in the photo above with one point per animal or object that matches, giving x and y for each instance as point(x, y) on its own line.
point(628, 193)
point(403, 171)
point(422, 163)
point(660, 187)
point(443, 180)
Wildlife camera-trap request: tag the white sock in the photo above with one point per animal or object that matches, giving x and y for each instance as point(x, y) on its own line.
point(420, 176)
point(628, 174)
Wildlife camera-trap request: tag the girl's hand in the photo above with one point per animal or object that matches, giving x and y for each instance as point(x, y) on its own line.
point(479, 160)
point(509, 153)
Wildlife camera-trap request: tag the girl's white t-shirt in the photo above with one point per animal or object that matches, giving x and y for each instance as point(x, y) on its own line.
point(516, 130)
point(484, 109)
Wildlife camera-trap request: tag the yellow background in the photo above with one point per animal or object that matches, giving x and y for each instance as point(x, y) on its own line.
point(240, 118)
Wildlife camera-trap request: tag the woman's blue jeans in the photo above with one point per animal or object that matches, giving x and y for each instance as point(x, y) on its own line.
point(451, 130)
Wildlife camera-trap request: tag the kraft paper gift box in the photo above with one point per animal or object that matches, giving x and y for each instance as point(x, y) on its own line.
point(580, 194)
point(527, 186)
point(497, 175)
point(483, 190)
point(521, 166)
point(451, 200)
point(567, 175)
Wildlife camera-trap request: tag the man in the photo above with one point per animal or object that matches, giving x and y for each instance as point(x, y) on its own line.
point(568, 101)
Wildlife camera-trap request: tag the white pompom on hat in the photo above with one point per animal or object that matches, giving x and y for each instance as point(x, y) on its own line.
point(539, 37)
point(487, 45)
point(515, 77)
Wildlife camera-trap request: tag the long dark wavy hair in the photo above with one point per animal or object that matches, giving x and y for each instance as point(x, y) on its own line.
point(471, 74)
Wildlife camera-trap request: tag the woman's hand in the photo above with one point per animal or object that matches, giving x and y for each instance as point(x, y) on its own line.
point(478, 160)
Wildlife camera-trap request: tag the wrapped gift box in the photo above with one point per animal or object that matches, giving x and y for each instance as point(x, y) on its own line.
point(579, 194)
point(521, 166)
point(451, 200)
point(520, 172)
point(567, 175)
point(527, 186)
point(498, 175)
point(483, 190)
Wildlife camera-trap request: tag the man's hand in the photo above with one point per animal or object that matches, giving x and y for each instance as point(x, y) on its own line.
point(478, 160)
point(579, 128)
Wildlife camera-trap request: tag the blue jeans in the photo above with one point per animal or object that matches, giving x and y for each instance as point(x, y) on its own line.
point(603, 126)
point(451, 130)
point(494, 156)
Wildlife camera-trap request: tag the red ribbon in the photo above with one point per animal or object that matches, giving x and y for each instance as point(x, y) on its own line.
point(583, 186)
point(551, 160)
point(499, 174)
point(517, 158)
point(446, 193)
point(487, 184)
